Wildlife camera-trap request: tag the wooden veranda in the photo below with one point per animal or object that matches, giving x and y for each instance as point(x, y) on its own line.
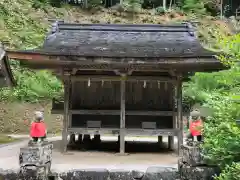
point(121, 79)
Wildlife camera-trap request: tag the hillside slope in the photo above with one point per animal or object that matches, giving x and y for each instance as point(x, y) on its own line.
point(23, 26)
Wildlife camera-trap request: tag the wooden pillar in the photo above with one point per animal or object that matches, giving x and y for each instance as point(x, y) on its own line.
point(171, 138)
point(122, 117)
point(160, 140)
point(170, 142)
point(72, 140)
point(179, 113)
point(66, 112)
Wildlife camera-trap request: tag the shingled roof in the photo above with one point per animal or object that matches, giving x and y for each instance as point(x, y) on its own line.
point(115, 42)
point(6, 77)
point(132, 41)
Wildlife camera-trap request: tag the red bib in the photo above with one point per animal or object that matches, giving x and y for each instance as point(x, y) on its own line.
point(194, 128)
point(38, 129)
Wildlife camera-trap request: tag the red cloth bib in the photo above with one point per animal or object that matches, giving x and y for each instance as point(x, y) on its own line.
point(194, 128)
point(38, 129)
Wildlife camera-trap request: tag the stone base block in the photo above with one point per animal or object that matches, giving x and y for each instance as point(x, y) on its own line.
point(192, 155)
point(197, 173)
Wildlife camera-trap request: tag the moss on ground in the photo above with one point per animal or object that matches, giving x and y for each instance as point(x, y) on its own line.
point(4, 139)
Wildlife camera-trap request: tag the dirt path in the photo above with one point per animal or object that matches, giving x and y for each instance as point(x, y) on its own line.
point(93, 159)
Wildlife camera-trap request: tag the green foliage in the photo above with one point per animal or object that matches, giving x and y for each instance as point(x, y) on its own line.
point(132, 5)
point(231, 46)
point(231, 172)
point(42, 4)
point(222, 135)
point(33, 86)
point(94, 3)
point(194, 6)
point(160, 10)
point(24, 28)
point(220, 92)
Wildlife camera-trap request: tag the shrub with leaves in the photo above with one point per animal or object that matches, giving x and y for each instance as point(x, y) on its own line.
point(160, 10)
point(220, 92)
point(32, 87)
point(22, 28)
point(231, 172)
point(222, 135)
point(132, 5)
point(194, 6)
point(231, 46)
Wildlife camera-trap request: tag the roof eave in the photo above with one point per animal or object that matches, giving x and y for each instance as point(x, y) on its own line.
point(46, 60)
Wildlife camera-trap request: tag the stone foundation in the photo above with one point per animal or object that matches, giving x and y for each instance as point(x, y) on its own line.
point(192, 166)
point(152, 173)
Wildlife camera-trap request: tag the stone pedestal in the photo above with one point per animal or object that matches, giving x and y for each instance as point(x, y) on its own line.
point(192, 166)
point(192, 155)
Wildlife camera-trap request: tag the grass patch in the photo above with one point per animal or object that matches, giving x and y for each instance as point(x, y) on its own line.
point(4, 139)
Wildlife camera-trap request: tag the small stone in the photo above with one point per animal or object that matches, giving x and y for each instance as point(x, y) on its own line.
point(160, 173)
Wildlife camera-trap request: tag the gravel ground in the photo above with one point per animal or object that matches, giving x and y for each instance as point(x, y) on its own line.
point(96, 159)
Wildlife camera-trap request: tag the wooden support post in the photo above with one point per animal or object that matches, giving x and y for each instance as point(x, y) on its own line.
point(179, 113)
point(66, 113)
point(72, 140)
point(171, 142)
point(160, 140)
point(171, 138)
point(122, 117)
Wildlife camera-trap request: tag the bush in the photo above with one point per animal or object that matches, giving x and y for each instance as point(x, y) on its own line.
point(94, 3)
point(194, 6)
point(222, 135)
point(220, 92)
point(230, 172)
point(160, 10)
point(33, 87)
point(132, 5)
point(42, 4)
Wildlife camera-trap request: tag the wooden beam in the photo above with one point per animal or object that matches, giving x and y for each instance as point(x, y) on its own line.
point(171, 72)
point(179, 112)
point(117, 112)
point(26, 56)
point(128, 131)
point(66, 113)
point(118, 78)
point(122, 117)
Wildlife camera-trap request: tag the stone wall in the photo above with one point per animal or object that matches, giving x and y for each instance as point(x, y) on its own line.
point(152, 173)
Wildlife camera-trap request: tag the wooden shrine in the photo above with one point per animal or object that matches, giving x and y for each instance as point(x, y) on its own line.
point(121, 79)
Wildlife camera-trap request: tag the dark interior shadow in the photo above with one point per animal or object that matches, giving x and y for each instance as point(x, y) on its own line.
point(113, 147)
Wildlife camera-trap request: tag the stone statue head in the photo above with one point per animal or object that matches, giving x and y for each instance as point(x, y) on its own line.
point(38, 116)
point(195, 114)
